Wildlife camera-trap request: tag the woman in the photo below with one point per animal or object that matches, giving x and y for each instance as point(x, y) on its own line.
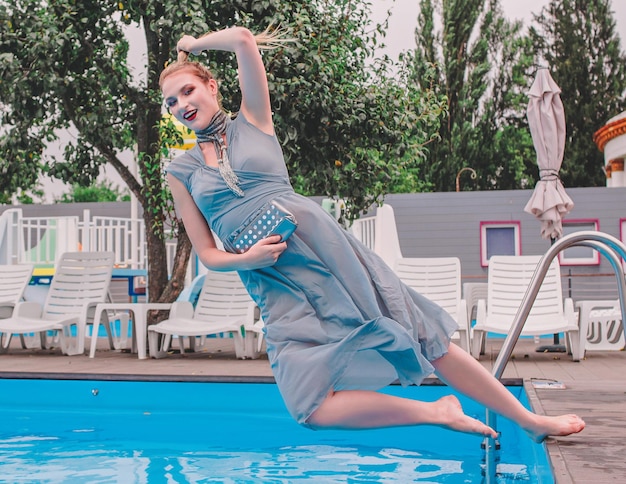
point(339, 323)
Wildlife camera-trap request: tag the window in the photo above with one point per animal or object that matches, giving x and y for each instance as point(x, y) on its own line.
point(579, 256)
point(499, 238)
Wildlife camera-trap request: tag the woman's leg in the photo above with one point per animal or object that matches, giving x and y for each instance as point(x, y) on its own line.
point(462, 372)
point(358, 409)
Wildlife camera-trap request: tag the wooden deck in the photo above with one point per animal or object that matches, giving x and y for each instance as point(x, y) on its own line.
point(594, 388)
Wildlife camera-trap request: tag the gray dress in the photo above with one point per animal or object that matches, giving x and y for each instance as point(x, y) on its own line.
point(336, 316)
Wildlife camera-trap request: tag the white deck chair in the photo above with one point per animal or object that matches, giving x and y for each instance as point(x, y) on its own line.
point(439, 279)
point(223, 306)
point(472, 293)
point(379, 233)
point(14, 279)
point(508, 280)
point(81, 281)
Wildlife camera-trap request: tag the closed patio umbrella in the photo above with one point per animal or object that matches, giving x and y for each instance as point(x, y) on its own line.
point(549, 202)
point(546, 119)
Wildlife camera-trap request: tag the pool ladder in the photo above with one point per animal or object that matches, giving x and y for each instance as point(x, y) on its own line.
point(607, 245)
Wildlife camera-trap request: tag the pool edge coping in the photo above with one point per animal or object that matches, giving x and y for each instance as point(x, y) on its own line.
point(555, 456)
point(40, 375)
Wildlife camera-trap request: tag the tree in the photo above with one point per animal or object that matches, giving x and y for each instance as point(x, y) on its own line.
point(577, 40)
point(348, 127)
point(66, 65)
point(19, 167)
point(103, 191)
point(482, 65)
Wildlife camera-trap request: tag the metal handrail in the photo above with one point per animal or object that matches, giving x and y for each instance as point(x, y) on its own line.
point(606, 244)
point(609, 247)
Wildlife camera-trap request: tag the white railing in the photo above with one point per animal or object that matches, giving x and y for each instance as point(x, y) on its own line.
point(124, 237)
point(170, 251)
point(364, 229)
point(379, 233)
point(9, 236)
point(41, 240)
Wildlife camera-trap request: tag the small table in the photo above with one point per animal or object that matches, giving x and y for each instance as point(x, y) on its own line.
point(130, 275)
point(139, 317)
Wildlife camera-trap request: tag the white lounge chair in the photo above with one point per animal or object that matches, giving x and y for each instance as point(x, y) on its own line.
point(379, 233)
point(472, 293)
point(14, 279)
point(508, 281)
point(439, 279)
point(81, 281)
point(223, 307)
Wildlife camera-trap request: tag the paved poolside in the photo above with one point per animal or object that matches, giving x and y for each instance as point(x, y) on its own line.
point(595, 388)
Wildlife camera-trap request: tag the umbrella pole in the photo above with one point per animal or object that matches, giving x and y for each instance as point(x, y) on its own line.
point(556, 346)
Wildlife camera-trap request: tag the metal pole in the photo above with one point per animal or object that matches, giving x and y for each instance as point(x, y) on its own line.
point(613, 249)
point(458, 176)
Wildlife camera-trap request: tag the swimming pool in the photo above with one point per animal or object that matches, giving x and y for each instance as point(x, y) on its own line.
point(78, 431)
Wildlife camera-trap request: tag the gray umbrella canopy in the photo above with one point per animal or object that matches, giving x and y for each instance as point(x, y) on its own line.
point(546, 119)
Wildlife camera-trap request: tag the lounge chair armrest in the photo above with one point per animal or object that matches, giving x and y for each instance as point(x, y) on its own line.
point(568, 310)
point(251, 316)
point(6, 307)
point(87, 311)
point(257, 327)
point(481, 311)
point(462, 314)
point(28, 309)
point(181, 310)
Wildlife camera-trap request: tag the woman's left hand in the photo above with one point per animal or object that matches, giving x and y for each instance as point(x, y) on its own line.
point(265, 252)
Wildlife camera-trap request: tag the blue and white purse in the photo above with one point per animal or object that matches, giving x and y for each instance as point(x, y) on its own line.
point(271, 219)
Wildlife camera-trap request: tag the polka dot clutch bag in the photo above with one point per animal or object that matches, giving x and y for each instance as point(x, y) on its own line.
point(272, 219)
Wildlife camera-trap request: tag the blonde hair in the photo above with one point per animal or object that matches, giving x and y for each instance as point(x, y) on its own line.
point(273, 38)
point(196, 68)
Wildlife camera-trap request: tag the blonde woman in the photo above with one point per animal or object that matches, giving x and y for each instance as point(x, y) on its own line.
point(339, 323)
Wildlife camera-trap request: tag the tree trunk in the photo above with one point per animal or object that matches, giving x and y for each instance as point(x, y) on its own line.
point(157, 261)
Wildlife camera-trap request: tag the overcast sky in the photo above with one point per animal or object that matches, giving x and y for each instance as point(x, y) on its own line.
point(404, 19)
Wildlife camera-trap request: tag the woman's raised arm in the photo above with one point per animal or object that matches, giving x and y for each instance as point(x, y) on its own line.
point(255, 103)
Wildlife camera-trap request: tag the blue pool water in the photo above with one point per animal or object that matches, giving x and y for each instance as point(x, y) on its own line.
point(88, 431)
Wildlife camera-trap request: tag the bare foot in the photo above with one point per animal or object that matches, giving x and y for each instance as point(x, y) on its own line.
point(554, 426)
point(453, 418)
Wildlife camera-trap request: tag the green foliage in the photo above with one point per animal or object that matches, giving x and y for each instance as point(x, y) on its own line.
point(23, 197)
point(339, 120)
point(483, 64)
point(578, 41)
point(32, 196)
point(347, 129)
point(20, 162)
point(348, 126)
point(103, 191)
point(486, 67)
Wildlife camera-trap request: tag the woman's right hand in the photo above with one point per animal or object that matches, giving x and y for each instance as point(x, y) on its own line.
point(265, 252)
